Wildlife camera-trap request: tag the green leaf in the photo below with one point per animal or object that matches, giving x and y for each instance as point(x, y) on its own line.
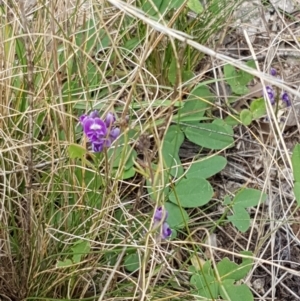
point(131, 262)
point(196, 104)
point(296, 162)
point(206, 168)
point(207, 285)
point(174, 234)
point(167, 5)
point(123, 153)
point(226, 268)
point(232, 120)
point(239, 90)
point(76, 151)
point(195, 6)
point(245, 76)
point(88, 36)
point(238, 79)
point(246, 117)
point(248, 197)
point(81, 248)
point(240, 219)
point(235, 292)
point(172, 72)
point(177, 217)
point(175, 136)
point(192, 192)
point(211, 135)
point(176, 3)
point(171, 159)
point(258, 108)
point(231, 78)
point(230, 270)
point(227, 200)
point(297, 192)
point(187, 75)
point(150, 9)
point(246, 265)
point(64, 264)
point(20, 50)
point(132, 43)
point(128, 173)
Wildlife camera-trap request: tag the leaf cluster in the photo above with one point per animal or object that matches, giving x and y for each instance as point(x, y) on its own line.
point(222, 283)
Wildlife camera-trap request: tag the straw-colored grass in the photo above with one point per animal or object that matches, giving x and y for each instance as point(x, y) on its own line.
point(66, 224)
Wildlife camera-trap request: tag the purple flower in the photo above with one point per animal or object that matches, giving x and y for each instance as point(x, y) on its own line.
point(166, 231)
point(82, 118)
point(94, 128)
point(97, 147)
point(160, 217)
point(100, 133)
point(273, 71)
point(94, 114)
point(110, 119)
point(286, 99)
point(270, 93)
point(114, 133)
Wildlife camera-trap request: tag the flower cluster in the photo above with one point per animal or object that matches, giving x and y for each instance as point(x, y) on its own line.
point(160, 217)
point(101, 133)
point(270, 93)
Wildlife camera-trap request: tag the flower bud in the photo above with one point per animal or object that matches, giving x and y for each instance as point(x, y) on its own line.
point(110, 119)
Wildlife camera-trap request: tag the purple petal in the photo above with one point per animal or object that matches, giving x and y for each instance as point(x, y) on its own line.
point(286, 99)
point(114, 133)
point(110, 119)
point(270, 93)
point(94, 114)
point(107, 143)
point(166, 231)
point(97, 147)
point(94, 129)
point(160, 214)
point(273, 71)
point(82, 118)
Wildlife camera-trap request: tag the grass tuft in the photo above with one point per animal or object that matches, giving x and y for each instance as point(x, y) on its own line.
point(79, 225)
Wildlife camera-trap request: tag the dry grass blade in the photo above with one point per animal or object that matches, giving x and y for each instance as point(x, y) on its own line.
point(79, 218)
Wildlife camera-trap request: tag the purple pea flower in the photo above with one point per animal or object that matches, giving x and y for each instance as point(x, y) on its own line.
point(94, 114)
point(101, 133)
point(270, 93)
point(110, 119)
point(114, 133)
point(97, 147)
point(286, 99)
point(273, 71)
point(166, 231)
point(94, 128)
point(160, 217)
point(82, 118)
